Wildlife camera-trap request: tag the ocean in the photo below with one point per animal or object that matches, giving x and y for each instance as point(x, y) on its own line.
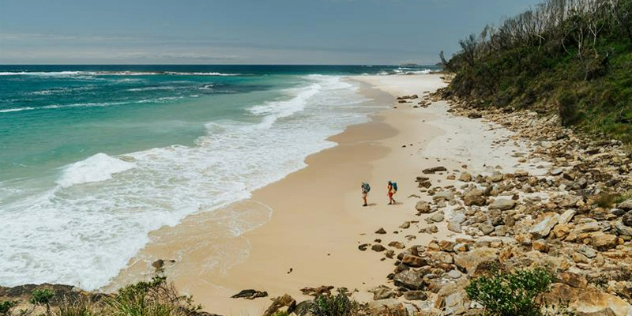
point(94, 158)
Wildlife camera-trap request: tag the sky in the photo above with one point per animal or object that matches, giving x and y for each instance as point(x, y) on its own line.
point(376, 32)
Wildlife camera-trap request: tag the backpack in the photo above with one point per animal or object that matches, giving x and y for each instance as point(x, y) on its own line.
point(366, 187)
point(394, 186)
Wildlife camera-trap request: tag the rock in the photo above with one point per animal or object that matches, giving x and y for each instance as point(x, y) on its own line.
point(443, 196)
point(540, 245)
point(626, 205)
point(423, 207)
point(465, 177)
point(556, 171)
point(158, 265)
point(434, 169)
point(281, 302)
point(567, 216)
point(436, 217)
point(579, 258)
point(561, 231)
point(381, 231)
point(603, 241)
point(409, 279)
point(502, 204)
point(414, 261)
point(585, 300)
point(486, 228)
point(432, 229)
point(543, 228)
point(453, 299)
point(496, 176)
point(416, 295)
point(474, 197)
point(626, 219)
point(378, 248)
point(474, 115)
point(454, 274)
point(396, 244)
point(405, 225)
point(587, 251)
point(363, 247)
point(587, 227)
point(315, 291)
point(250, 294)
point(382, 292)
point(622, 229)
point(386, 306)
point(454, 227)
point(468, 261)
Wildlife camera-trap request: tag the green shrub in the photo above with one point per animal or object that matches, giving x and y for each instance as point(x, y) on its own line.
point(511, 294)
point(6, 306)
point(80, 307)
point(42, 297)
point(334, 305)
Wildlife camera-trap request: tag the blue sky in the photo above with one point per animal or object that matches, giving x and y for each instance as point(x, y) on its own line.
point(241, 31)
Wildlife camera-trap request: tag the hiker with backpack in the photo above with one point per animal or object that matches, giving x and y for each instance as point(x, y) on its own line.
point(392, 189)
point(365, 191)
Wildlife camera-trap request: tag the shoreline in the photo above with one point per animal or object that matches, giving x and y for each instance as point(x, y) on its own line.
point(312, 221)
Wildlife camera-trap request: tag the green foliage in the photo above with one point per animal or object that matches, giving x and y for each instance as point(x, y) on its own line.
point(511, 294)
point(42, 297)
point(569, 58)
point(6, 306)
point(335, 305)
point(154, 298)
point(281, 313)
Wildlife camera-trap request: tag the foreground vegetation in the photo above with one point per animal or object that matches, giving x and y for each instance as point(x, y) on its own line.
point(154, 298)
point(570, 57)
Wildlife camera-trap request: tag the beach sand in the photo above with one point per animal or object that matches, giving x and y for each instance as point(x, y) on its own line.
point(312, 221)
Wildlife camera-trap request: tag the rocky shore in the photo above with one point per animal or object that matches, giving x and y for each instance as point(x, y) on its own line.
point(566, 207)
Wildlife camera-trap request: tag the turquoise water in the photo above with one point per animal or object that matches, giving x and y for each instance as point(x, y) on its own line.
point(93, 158)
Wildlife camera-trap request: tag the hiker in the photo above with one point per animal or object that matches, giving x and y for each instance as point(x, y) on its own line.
point(392, 189)
point(365, 191)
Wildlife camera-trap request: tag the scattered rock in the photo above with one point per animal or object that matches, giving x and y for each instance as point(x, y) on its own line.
point(250, 294)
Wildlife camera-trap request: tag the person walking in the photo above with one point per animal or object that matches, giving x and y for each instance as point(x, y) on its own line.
point(365, 191)
point(392, 189)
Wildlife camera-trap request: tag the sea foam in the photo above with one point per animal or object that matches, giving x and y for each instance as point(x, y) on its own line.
point(87, 228)
point(99, 167)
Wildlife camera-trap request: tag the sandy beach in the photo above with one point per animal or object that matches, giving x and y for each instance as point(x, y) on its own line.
point(304, 230)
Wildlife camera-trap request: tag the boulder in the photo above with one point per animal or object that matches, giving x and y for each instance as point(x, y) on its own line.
point(623, 229)
point(423, 207)
point(396, 244)
point(502, 204)
point(543, 228)
point(468, 261)
point(416, 295)
point(285, 301)
point(414, 261)
point(409, 279)
point(496, 176)
point(626, 205)
point(567, 216)
point(626, 219)
point(443, 196)
point(465, 177)
point(474, 197)
point(381, 231)
point(603, 241)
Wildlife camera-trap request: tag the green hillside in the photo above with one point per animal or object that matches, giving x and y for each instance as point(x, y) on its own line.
point(571, 57)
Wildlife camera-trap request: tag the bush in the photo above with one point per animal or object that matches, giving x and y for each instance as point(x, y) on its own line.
point(334, 305)
point(511, 294)
point(42, 297)
point(6, 306)
point(155, 298)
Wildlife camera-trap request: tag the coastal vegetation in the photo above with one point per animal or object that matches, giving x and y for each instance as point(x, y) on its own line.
point(154, 298)
point(511, 294)
point(569, 57)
